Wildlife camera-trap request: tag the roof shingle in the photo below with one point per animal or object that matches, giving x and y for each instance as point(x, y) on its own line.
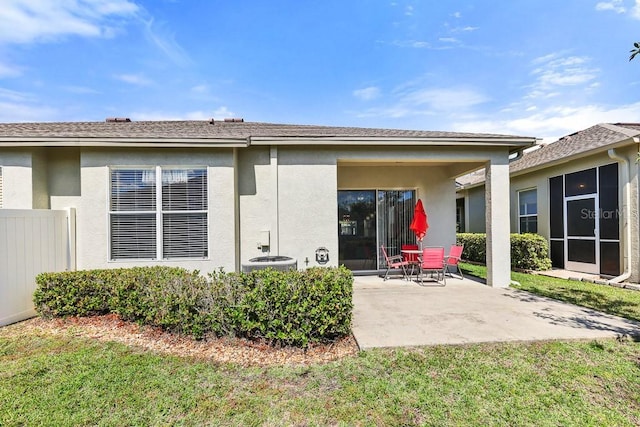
point(205, 130)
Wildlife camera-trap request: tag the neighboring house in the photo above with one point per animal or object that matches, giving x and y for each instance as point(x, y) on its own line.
point(213, 194)
point(581, 193)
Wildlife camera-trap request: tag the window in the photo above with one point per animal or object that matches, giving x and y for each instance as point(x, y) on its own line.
point(528, 211)
point(158, 213)
point(0, 187)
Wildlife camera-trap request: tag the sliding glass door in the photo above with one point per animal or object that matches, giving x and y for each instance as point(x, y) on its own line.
point(395, 213)
point(370, 218)
point(357, 229)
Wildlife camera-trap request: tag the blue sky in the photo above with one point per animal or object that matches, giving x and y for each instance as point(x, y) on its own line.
point(543, 68)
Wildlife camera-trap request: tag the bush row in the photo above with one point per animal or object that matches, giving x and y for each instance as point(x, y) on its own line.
point(286, 308)
point(528, 251)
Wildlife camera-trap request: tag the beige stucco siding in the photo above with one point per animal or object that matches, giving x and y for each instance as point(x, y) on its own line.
point(17, 178)
point(475, 214)
point(63, 177)
point(291, 194)
point(92, 215)
point(39, 182)
point(257, 194)
point(307, 204)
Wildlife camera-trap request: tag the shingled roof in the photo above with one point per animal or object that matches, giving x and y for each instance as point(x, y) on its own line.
point(600, 137)
point(213, 132)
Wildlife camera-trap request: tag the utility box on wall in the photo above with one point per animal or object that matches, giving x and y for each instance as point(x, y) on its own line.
point(264, 239)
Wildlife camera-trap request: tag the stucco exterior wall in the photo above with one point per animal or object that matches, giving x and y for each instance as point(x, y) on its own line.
point(257, 194)
point(92, 214)
point(39, 180)
point(291, 194)
point(307, 204)
point(17, 179)
point(475, 207)
point(63, 177)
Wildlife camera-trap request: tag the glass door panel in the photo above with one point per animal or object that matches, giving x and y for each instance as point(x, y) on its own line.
point(357, 229)
point(395, 213)
point(582, 251)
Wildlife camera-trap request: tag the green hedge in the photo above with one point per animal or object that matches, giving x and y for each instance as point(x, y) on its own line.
point(528, 251)
point(286, 308)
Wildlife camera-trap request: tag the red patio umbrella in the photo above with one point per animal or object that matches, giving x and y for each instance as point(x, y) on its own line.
point(419, 225)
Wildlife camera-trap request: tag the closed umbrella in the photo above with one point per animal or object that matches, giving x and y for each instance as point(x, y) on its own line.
point(419, 225)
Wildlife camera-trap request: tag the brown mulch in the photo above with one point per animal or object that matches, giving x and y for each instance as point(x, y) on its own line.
point(221, 350)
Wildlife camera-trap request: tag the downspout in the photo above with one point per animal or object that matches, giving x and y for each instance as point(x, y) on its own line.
point(626, 197)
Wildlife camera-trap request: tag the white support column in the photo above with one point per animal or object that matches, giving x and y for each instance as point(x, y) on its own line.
point(498, 223)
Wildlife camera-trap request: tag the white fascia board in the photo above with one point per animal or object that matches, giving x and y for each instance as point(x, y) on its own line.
point(359, 141)
point(123, 142)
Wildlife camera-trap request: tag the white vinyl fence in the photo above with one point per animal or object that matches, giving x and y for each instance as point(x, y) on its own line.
point(31, 242)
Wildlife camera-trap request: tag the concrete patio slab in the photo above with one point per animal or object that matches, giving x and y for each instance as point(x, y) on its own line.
point(399, 313)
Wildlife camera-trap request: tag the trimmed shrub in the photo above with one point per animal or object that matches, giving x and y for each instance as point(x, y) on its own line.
point(475, 246)
point(528, 251)
point(74, 293)
point(290, 307)
point(285, 308)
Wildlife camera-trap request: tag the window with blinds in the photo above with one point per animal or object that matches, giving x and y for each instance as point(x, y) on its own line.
point(158, 213)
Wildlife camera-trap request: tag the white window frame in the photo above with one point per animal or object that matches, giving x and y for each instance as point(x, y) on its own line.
point(527, 214)
point(161, 213)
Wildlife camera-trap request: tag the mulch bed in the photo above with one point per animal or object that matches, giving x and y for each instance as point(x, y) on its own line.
point(220, 350)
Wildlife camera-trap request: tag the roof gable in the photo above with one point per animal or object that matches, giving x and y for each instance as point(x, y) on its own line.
point(598, 137)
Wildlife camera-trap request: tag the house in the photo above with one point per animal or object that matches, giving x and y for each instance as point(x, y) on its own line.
point(580, 193)
point(214, 194)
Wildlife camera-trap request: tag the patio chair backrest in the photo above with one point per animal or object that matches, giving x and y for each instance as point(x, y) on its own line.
point(410, 257)
point(384, 254)
point(432, 258)
point(455, 253)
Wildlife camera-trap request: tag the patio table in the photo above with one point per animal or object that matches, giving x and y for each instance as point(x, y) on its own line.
point(416, 261)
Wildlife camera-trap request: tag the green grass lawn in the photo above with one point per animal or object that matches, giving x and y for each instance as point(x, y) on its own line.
point(60, 381)
point(70, 380)
point(608, 299)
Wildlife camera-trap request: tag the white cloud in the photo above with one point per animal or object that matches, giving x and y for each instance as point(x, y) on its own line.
point(456, 15)
point(219, 114)
point(223, 112)
point(635, 10)
point(134, 79)
point(412, 101)
point(81, 90)
point(367, 94)
point(552, 122)
point(11, 112)
point(7, 70)
point(612, 5)
point(28, 21)
point(554, 71)
point(165, 41)
point(22, 107)
point(444, 99)
point(200, 89)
